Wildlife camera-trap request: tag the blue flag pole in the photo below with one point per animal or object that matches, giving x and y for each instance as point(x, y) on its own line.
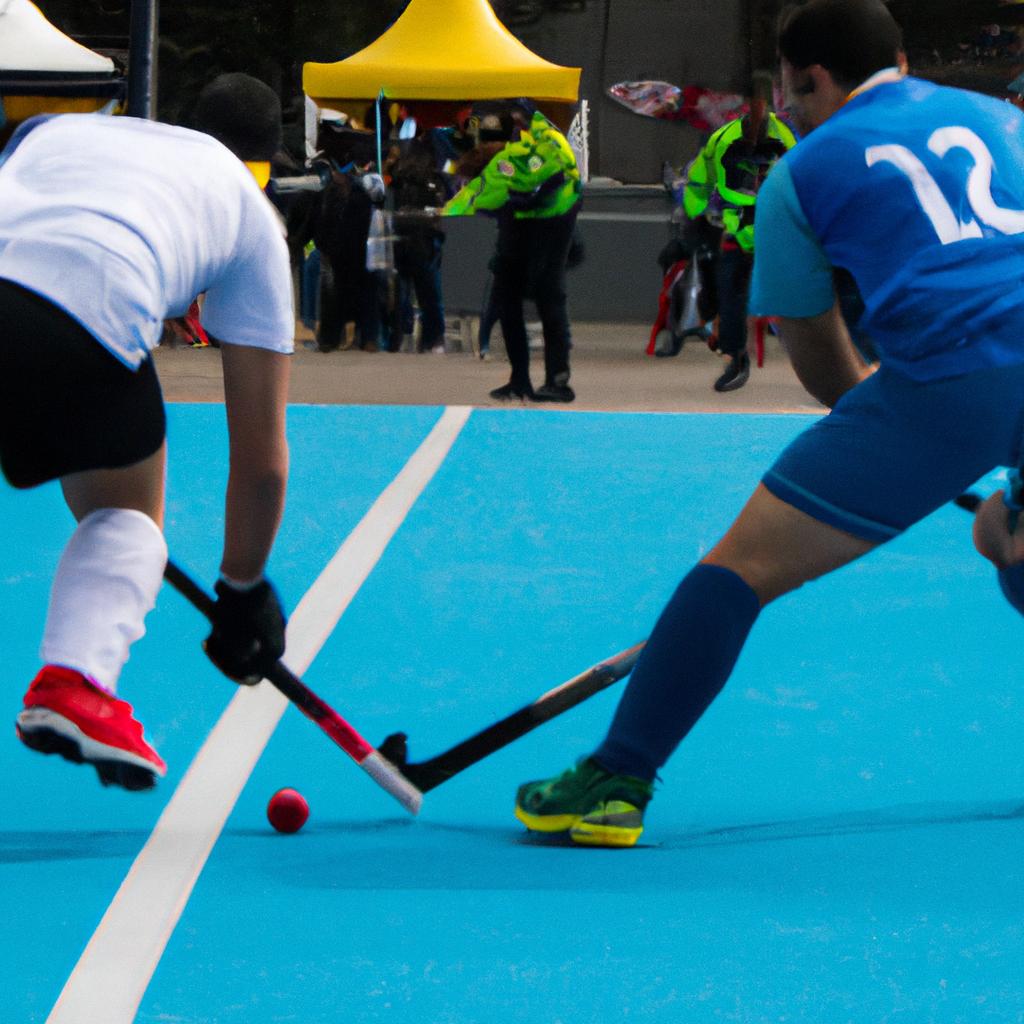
point(380, 110)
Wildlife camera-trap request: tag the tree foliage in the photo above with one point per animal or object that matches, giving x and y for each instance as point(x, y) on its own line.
point(199, 39)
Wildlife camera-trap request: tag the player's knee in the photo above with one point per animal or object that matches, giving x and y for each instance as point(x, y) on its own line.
point(768, 577)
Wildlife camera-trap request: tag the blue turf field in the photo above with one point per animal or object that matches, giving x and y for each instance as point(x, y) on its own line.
point(840, 839)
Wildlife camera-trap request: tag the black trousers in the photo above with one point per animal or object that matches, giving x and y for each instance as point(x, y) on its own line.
point(418, 266)
point(733, 281)
point(531, 262)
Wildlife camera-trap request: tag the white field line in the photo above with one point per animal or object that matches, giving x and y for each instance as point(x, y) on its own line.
point(111, 977)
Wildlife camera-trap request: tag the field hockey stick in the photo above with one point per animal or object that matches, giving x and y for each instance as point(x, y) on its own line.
point(371, 760)
point(968, 501)
point(426, 775)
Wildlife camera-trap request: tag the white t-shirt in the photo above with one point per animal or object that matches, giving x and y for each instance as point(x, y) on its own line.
point(124, 222)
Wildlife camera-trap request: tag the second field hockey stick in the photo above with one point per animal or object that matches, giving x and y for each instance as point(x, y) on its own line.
point(968, 501)
point(371, 760)
point(426, 775)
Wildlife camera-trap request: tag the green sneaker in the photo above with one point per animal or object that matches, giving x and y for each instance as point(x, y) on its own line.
point(595, 807)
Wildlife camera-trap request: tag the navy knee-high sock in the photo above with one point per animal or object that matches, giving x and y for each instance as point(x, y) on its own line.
point(687, 660)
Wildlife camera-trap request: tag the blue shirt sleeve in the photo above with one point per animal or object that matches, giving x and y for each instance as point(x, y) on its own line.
point(792, 276)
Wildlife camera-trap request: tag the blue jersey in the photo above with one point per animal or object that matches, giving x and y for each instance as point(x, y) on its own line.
point(918, 191)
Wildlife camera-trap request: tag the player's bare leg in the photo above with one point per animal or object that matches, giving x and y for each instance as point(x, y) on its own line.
point(140, 486)
point(776, 548)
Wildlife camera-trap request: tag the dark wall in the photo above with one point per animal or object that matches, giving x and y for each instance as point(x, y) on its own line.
point(680, 41)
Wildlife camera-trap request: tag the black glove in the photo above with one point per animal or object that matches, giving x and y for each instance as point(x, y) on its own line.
point(248, 631)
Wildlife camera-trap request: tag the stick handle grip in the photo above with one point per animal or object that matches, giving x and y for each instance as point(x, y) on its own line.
point(314, 708)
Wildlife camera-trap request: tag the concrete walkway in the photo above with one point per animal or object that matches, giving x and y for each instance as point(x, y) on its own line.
point(610, 372)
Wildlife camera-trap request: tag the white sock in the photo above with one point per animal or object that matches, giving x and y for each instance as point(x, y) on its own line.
point(106, 583)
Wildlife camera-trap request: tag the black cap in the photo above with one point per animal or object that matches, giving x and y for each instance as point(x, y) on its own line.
point(241, 112)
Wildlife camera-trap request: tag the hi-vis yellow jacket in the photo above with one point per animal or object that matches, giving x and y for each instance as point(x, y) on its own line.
point(723, 179)
point(534, 176)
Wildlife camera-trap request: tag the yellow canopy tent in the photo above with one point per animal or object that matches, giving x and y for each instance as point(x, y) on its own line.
point(452, 51)
point(44, 71)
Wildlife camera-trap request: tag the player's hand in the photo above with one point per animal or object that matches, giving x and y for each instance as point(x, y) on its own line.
point(247, 637)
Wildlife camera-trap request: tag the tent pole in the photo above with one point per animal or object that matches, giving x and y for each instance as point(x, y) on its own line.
point(142, 58)
point(380, 153)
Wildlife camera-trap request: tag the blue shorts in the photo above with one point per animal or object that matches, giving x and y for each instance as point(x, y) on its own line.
point(893, 450)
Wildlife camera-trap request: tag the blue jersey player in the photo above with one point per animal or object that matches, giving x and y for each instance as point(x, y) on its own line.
point(917, 192)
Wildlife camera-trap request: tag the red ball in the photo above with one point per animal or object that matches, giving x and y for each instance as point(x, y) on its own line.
point(287, 810)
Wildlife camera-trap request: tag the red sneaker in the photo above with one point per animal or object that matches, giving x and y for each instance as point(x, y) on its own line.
point(65, 714)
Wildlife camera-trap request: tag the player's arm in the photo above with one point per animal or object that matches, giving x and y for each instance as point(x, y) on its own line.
point(825, 359)
point(999, 524)
point(999, 536)
point(249, 308)
point(255, 394)
point(487, 191)
point(247, 633)
point(793, 282)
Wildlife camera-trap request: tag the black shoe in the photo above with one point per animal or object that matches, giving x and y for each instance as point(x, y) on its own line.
point(510, 392)
point(554, 393)
point(736, 373)
point(674, 347)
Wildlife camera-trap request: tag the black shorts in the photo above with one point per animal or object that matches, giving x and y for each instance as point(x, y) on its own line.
point(66, 403)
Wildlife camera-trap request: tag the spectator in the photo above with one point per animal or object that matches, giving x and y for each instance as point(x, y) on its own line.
point(419, 194)
point(721, 188)
point(349, 291)
point(449, 145)
point(350, 300)
point(533, 187)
